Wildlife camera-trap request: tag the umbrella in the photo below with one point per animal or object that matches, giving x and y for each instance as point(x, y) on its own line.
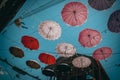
point(33, 64)
point(81, 62)
point(49, 70)
point(89, 37)
point(17, 52)
point(102, 53)
point(114, 22)
point(50, 30)
point(101, 4)
point(63, 68)
point(74, 13)
point(30, 42)
point(65, 49)
point(47, 58)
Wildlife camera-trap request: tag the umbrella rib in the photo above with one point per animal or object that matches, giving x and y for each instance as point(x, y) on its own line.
point(70, 18)
point(106, 3)
point(48, 33)
point(75, 16)
point(81, 62)
point(65, 50)
point(90, 39)
point(102, 53)
point(48, 59)
point(30, 44)
point(74, 12)
point(93, 3)
point(90, 42)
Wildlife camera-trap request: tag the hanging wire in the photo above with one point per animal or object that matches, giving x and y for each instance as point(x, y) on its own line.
point(27, 8)
point(8, 38)
point(41, 8)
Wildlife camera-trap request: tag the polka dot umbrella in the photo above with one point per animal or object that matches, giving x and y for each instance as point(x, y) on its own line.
point(74, 13)
point(89, 37)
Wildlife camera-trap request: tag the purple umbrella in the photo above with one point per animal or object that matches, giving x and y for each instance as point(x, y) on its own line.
point(114, 22)
point(101, 4)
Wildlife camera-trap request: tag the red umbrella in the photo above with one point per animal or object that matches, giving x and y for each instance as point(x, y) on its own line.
point(102, 53)
point(30, 42)
point(47, 58)
point(74, 13)
point(89, 37)
point(101, 4)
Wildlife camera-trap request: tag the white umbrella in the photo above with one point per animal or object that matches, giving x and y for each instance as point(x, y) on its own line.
point(50, 30)
point(65, 49)
point(81, 62)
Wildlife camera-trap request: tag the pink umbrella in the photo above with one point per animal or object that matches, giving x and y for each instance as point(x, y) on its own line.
point(74, 13)
point(50, 30)
point(65, 50)
point(102, 53)
point(89, 37)
point(81, 62)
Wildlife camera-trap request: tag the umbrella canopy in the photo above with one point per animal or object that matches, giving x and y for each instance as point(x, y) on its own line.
point(74, 13)
point(63, 68)
point(101, 4)
point(50, 30)
point(17, 52)
point(102, 53)
point(81, 62)
point(89, 37)
point(30, 42)
point(47, 58)
point(65, 49)
point(114, 22)
point(49, 70)
point(33, 64)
